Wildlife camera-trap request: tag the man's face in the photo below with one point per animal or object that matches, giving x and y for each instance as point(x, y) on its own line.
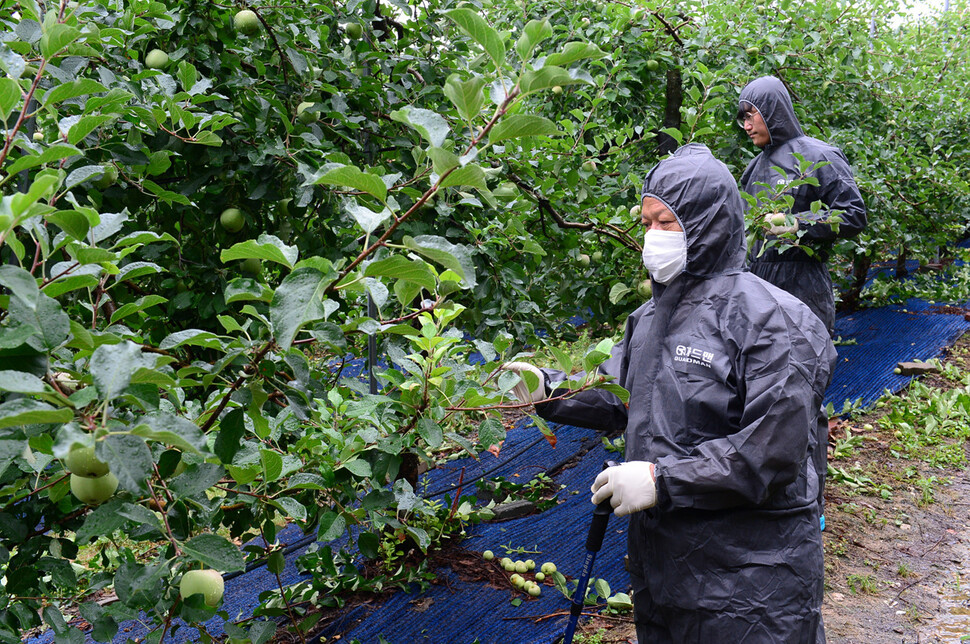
point(654, 215)
point(754, 126)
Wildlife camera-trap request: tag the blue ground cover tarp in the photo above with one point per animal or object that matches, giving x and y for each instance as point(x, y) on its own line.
point(457, 611)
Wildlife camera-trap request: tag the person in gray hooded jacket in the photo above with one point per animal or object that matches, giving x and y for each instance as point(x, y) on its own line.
point(766, 113)
point(726, 375)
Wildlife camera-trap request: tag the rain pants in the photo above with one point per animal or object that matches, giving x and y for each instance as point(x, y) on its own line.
point(726, 375)
point(792, 269)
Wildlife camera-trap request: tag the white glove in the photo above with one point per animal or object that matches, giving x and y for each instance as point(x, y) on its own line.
point(521, 390)
point(776, 224)
point(630, 486)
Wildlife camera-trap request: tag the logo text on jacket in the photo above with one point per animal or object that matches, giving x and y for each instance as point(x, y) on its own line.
point(691, 355)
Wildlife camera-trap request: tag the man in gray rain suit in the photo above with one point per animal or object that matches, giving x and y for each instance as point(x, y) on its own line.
point(726, 374)
point(766, 113)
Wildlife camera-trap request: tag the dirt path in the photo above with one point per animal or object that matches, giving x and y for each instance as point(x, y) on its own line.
point(897, 548)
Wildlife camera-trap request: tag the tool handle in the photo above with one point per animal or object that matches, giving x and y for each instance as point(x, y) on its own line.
point(601, 517)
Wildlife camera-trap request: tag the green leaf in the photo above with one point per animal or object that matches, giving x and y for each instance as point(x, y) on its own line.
point(80, 87)
point(400, 267)
point(452, 256)
point(548, 76)
point(298, 300)
point(57, 36)
point(243, 289)
point(351, 177)
point(535, 32)
point(166, 195)
point(491, 432)
point(518, 125)
point(429, 125)
point(113, 365)
point(467, 96)
point(49, 155)
point(10, 97)
point(357, 466)
point(137, 269)
point(70, 221)
point(574, 51)
point(140, 304)
point(471, 175)
point(21, 283)
point(431, 432)
point(192, 337)
point(18, 382)
point(272, 464)
point(442, 160)
point(332, 526)
point(47, 317)
point(476, 27)
point(86, 125)
point(216, 552)
point(101, 521)
point(129, 458)
point(140, 237)
point(365, 217)
point(291, 507)
point(674, 133)
point(268, 247)
point(173, 430)
point(25, 411)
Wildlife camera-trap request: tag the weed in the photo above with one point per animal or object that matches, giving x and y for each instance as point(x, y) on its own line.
point(903, 570)
point(927, 493)
point(591, 638)
point(862, 584)
point(845, 447)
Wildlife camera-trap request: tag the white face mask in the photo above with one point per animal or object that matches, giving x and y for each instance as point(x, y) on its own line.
point(664, 254)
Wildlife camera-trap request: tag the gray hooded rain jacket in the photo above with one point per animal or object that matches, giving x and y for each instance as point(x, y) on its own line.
point(726, 375)
point(806, 277)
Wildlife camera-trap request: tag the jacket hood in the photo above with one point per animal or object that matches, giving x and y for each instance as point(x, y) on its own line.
point(769, 96)
point(703, 195)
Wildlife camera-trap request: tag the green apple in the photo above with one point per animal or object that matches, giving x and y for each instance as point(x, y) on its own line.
point(583, 260)
point(82, 462)
point(751, 51)
point(38, 136)
point(540, 576)
point(520, 567)
point(534, 591)
point(645, 289)
point(232, 220)
point(778, 220)
point(353, 30)
point(517, 580)
point(557, 89)
point(303, 113)
point(488, 555)
point(156, 59)
point(548, 568)
point(252, 266)
point(653, 65)
point(635, 210)
point(93, 491)
point(108, 178)
point(597, 256)
point(207, 583)
point(589, 165)
point(246, 22)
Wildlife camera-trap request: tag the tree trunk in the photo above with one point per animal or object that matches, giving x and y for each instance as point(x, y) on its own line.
point(675, 98)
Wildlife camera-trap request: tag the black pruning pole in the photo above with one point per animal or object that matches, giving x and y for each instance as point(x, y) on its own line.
point(594, 541)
